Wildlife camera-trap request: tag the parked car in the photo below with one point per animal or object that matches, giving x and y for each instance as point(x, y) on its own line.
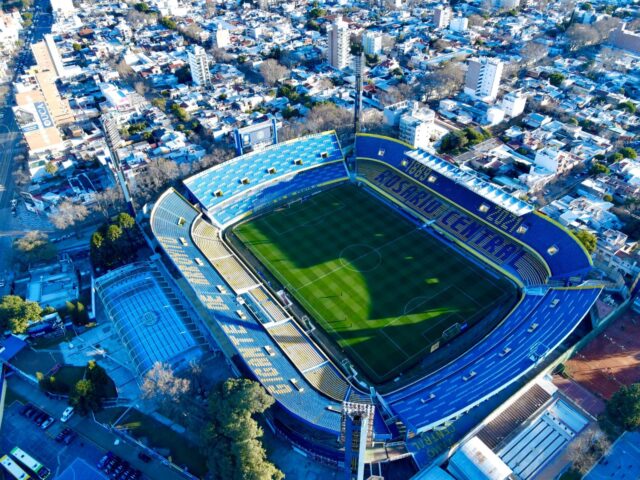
point(67, 414)
point(47, 423)
point(144, 457)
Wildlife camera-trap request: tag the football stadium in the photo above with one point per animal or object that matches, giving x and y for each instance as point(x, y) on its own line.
point(392, 280)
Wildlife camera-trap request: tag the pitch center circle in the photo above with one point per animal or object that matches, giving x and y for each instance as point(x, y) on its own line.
point(360, 257)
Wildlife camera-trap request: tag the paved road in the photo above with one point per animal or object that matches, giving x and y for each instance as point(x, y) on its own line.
point(9, 140)
point(92, 432)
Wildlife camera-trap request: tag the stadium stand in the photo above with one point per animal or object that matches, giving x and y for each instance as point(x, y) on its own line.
point(220, 183)
point(171, 220)
point(272, 192)
point(261, 297)
point(562, 253)
point(490, 242)
point(303, 354)
point(325, 378)
point(537, 325)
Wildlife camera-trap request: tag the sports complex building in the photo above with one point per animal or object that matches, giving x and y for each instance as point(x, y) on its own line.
point(394, 279)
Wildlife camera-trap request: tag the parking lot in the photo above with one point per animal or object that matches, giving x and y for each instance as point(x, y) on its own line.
point(18, 430)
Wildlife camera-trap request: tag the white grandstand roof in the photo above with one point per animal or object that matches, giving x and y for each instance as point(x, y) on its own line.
point(472, 182)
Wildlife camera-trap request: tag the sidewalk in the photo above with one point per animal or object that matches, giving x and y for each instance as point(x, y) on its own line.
point(94, 433)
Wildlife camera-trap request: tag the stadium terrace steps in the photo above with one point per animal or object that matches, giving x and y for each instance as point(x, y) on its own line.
point(299, 350)
point(276, 312)
point(327, 380)
point(274, 190)
point(207, 237)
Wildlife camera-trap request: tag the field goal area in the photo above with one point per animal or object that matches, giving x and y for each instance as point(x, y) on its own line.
point(385, 290)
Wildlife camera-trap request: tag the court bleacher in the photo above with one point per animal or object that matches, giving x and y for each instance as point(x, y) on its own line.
point(327, 380)
point(265, 301)
point(207, 237)
point(222, 182)
point(234, 273)
point(303, 354)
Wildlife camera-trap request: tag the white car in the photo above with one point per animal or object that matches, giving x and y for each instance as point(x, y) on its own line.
point(67, 414)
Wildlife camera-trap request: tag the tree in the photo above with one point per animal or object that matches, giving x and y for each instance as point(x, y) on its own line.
point(588, 239)
point(50, 168)
point(16, 313)
point(585, 450)
point(556, 79)
point(97, 240)
point(161, 384)
point(84, 397)
point(624, 407)
point(597, 167)
point(108, 200)
point(533, 52)
point(628, 152)
point(272, 71)
point(443, 81)
point(68, 214)
point(628, 106)
point(96, 374)
point(125, 221)
point(114, 232)
point(34, 247)
point(231, 441)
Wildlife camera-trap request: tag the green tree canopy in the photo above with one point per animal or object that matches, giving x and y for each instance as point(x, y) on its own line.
point(84, 397)
point(628, 152)
point(114, 232)
point(588, 239)
point(624, 407)
point(125, 221)
point(231, 440)
point(16, 313)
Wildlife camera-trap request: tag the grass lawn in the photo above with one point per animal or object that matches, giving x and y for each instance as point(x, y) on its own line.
point(158, 435)
point(382, 288)
point(68, 376)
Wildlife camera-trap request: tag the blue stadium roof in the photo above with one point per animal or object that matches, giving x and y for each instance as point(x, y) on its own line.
point(150, 319)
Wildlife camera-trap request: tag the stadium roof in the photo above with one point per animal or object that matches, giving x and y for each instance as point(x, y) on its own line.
point(472, 182)
point(151, 319)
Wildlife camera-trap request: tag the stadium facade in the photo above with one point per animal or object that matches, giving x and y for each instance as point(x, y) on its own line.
point(267, 343)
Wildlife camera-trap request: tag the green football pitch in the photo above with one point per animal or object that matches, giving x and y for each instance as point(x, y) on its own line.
point(381, 287)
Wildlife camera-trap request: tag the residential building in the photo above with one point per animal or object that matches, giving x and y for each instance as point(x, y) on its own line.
point(372, 43)
point(483, 78)
point(221, 38)
point(416, 128)
point(505, 4)
point(442, 17)
point(338, 36)
point(625, 39)
point(513, 104)
point(199, 66)
point(459, 24)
